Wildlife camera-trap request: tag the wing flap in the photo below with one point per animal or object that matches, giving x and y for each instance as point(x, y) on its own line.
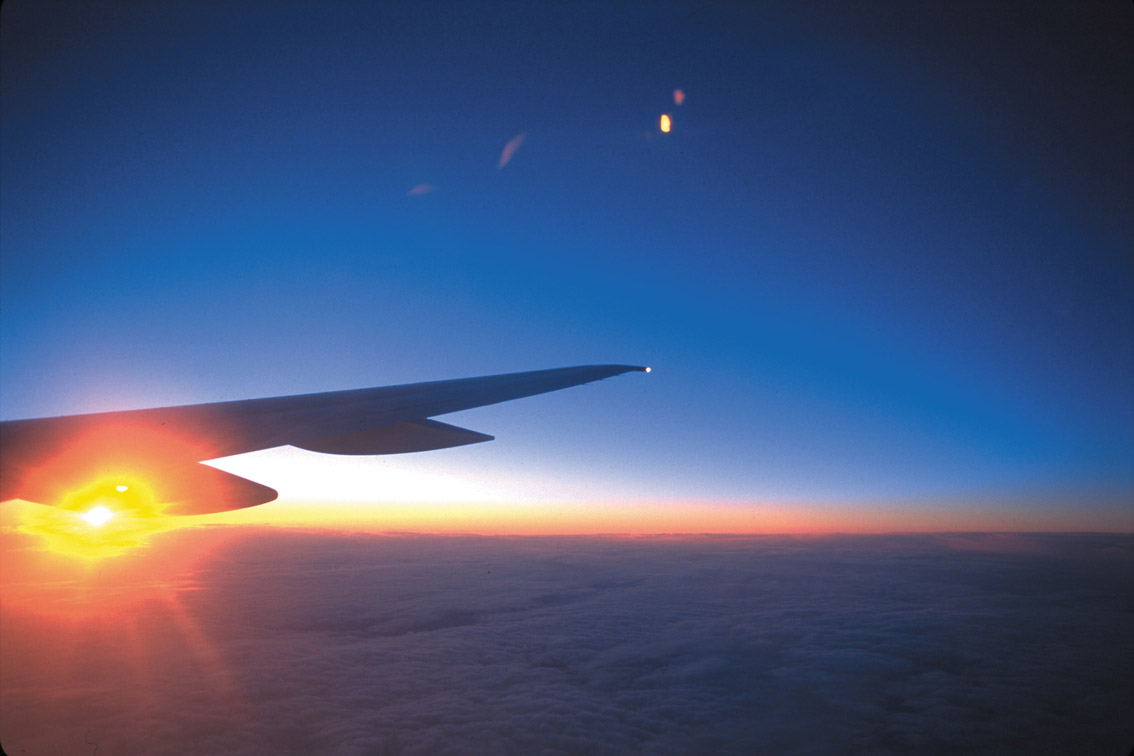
point(399, 438)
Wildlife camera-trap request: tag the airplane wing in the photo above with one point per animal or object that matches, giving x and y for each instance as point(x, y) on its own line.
point(115, 456)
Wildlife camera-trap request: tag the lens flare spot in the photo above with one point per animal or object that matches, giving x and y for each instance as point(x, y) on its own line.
point(510, 150)
point(98, 515)
point(678, 96)
point(665, 123)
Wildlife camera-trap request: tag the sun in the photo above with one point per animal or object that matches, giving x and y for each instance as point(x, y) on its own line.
point(108, 517)
point(98, 516)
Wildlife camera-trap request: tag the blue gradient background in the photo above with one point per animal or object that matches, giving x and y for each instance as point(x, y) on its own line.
point(883, 256)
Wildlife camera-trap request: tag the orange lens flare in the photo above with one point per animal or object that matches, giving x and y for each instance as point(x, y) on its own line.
point(678, 96)
point(665, 124)
point(112, 495)
point(119, 450)
point(132, 466)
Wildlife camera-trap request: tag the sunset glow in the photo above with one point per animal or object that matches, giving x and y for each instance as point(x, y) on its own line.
point(101, 533)
point(634, 518)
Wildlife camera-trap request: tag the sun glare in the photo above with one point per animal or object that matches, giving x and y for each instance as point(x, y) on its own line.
point(98, 515)
point(108, 517)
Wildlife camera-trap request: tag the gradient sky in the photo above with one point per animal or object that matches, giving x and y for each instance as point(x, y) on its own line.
point(881, 265)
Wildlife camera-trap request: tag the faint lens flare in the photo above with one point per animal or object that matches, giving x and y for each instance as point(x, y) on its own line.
point(664, 124)
point(678, 96)
point(421, 189)
point(510, 149)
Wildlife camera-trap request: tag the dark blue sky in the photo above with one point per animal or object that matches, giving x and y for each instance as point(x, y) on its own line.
point(884, 254)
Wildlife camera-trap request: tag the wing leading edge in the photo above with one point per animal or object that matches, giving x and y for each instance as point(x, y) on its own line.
point(46, 459)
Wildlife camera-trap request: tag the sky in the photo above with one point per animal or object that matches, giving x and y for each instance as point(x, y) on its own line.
point(880, 264)
point(874, 492)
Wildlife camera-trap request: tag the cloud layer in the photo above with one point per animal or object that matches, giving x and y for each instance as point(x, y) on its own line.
point(289, 642)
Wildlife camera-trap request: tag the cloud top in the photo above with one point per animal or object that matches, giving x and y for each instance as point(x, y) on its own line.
point(299, 643)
